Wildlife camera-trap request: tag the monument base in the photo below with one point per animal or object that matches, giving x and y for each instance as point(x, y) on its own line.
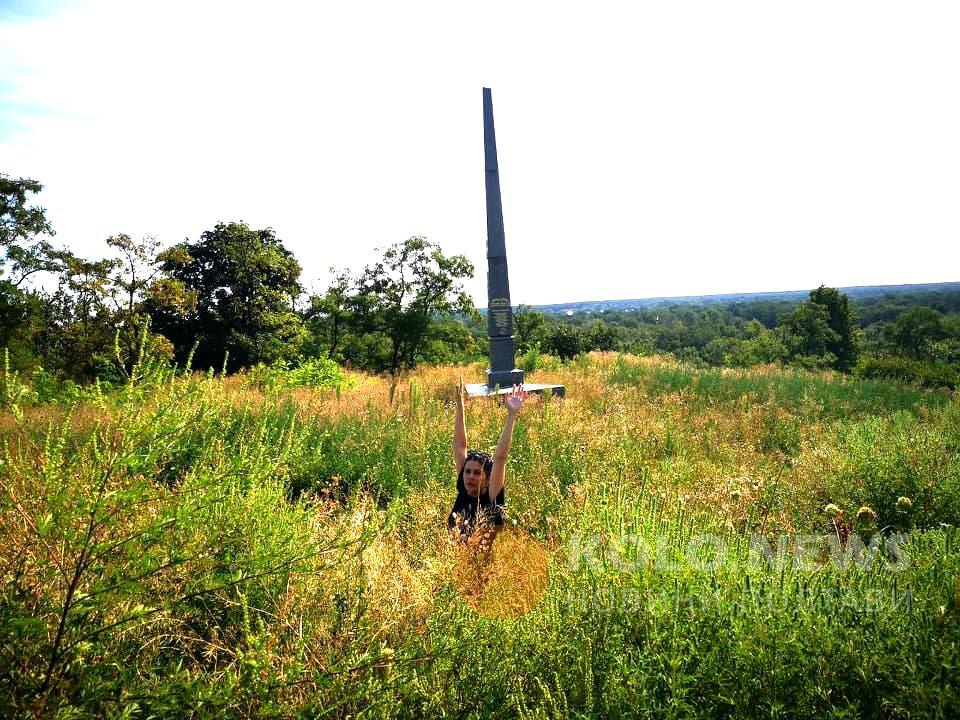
point(483, 390)
point(505, 378)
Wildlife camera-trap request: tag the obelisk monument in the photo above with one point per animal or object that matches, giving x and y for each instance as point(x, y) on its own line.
point(503, 373)
point(499, 312)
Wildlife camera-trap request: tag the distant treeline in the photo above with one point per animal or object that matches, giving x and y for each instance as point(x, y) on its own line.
point(788, 297)
point(908, 335)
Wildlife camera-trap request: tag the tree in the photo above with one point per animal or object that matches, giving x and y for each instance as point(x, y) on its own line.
point(599, 336)
point(807, 335)
point(82, 333)
point(916, 332)
point(400, 296)
point(24, 318)
point(844, 323)
point(133, 273)
point(450, 342)
point(22, 314)
point(760, 346)
point(18, 222)
point(529, 326)
point(823, 331)
point(22, 231)
point(329, 316)
point(564, 341)
point(131, 277)
point(234, 292)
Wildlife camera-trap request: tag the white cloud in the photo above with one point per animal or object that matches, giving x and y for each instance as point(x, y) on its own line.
point(645, 149)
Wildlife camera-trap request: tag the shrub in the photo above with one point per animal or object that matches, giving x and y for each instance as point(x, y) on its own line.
point(531, 359)
point(886, 459)
point(564, 341)
point(926, 374)
point(320, 373)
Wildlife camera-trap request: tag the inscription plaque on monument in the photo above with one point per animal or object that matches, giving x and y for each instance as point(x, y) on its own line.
point(499, 309)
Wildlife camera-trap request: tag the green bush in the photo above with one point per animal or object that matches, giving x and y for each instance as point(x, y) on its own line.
point(531, 360)
point(320, 373)
point(565, 341)
point(140, 563)
point(885, 459)
point(926, 374)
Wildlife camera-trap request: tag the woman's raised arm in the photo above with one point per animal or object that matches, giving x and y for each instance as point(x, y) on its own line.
point(498, 475)
point(459, 430)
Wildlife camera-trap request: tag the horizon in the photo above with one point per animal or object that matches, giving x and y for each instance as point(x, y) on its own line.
point(734, 294)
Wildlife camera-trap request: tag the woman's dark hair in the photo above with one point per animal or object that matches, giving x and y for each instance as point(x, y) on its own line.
point(477, 455)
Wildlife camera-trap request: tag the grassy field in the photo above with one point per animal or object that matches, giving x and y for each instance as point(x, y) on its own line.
point(237, 547)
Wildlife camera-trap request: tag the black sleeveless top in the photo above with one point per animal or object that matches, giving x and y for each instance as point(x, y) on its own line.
point(472, 513)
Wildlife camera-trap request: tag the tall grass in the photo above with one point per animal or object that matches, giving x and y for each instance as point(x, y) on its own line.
point(239, 547)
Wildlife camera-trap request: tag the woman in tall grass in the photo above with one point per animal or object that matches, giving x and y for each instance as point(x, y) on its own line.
point(480, 477)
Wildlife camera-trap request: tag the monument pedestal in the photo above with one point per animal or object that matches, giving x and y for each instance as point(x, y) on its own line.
point(504, 378)
point(482, 390)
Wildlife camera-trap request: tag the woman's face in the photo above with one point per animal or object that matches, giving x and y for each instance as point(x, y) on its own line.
point(474, 478)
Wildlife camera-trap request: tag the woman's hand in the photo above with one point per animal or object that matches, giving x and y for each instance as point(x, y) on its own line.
point(515, 399)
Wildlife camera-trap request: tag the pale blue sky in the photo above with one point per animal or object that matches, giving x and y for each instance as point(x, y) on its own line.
point(645, 148)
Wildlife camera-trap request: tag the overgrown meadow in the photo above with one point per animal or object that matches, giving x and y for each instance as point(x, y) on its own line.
point(274, 544)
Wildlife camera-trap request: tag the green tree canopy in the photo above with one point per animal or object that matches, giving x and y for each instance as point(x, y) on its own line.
point(18, 220)
point(529, 326)
point(842, 319)
point(916, 332)
point(599, 336)
point(25, 316)
point(329, 318)
point(823, 331)
point(564, 341)
point(808, 335)
point(233, 291)
point(400, 296)
point(23, 228)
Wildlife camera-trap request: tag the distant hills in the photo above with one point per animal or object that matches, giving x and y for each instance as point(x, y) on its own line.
point(856, 293)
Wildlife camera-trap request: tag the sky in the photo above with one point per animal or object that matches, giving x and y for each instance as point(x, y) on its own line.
point(645, 148)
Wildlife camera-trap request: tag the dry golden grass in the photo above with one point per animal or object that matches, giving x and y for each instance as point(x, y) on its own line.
point(502, 576)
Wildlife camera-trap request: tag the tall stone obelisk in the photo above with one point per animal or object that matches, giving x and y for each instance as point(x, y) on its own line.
point(502, 373)
point(502, 370)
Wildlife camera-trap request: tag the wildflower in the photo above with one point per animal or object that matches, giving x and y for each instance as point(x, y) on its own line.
point(865, 514)
point(831, 509)
point(904, 503)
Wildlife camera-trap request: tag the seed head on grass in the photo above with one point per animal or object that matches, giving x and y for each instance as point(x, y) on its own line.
point(866, 514)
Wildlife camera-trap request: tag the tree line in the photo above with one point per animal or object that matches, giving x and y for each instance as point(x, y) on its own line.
point(230, 299)
point(233, 298)
point(912, 336)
